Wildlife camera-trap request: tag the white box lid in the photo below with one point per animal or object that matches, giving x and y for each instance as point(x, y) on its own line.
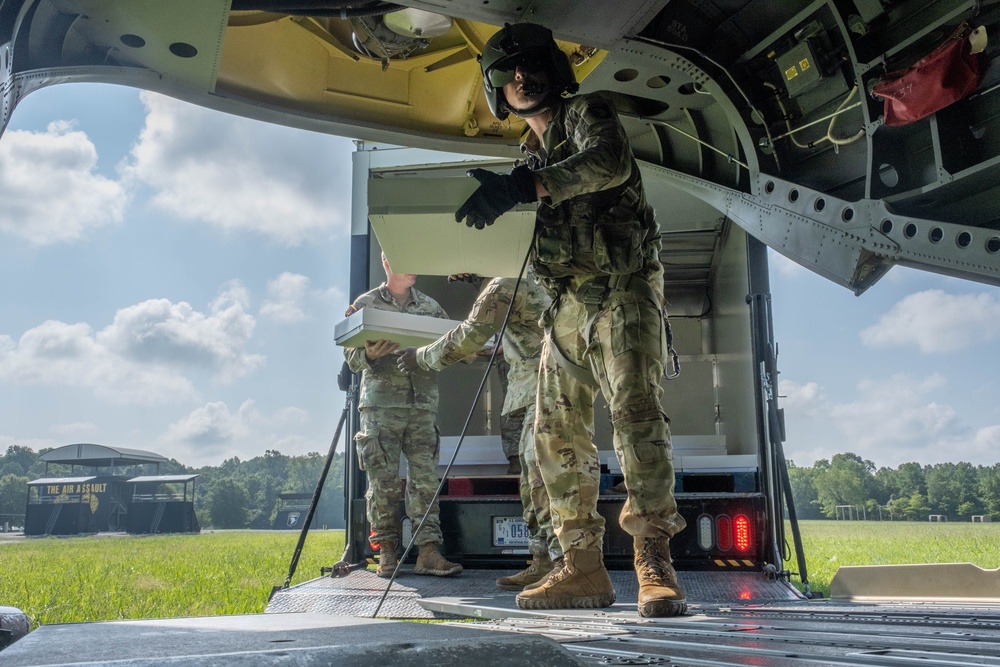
point(404, 328)
point(414, 221)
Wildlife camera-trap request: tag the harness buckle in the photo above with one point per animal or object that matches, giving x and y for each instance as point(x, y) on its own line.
point(593, 292)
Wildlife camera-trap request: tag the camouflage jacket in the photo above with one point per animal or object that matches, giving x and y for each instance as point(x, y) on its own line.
point(595, 219)
point(522, 339)
point(383, 385)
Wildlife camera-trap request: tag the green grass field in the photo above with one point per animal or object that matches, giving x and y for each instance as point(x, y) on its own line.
point(232, 572)
point(830, 544)
point(64, 580)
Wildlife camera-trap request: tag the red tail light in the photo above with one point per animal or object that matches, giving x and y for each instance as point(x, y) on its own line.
point(741, 530)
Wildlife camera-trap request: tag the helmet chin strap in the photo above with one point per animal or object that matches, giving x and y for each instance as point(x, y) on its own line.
point(544, 105)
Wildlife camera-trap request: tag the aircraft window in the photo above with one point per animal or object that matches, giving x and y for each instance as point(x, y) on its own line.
point(910, 230)
point(888, 175)
point(819, 204)
point(993, 244)
point(886, 226)
point(183, 50)
point(963, 239)
point(936, 235)
point(134, 41)
point(769, 187)
point(848, 214)
point(793, 195)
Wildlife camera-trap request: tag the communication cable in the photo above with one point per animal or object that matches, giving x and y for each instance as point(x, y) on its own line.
point(461, 438)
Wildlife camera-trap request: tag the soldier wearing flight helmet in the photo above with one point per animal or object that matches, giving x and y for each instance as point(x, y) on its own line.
point(596, 250)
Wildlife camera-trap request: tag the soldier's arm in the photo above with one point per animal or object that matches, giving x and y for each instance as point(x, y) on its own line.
point(603, 158)
point(471, 335)
point(356, 359)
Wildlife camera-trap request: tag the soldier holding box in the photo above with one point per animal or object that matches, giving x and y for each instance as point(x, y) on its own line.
point(398, 416)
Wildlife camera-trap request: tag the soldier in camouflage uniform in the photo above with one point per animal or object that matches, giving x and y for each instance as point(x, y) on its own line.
point(398, 414)
point(522, 344)
point(596, 249)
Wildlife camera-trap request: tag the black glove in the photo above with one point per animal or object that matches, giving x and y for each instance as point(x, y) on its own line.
point(496, 194)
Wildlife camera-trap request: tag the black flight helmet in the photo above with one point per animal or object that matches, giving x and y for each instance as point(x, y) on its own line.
point(532, 48)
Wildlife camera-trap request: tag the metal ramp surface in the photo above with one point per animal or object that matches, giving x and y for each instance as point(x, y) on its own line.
point(474, 594)
point(796, 634)
point(734, 619)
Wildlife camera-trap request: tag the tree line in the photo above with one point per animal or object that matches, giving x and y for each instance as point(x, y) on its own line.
point(909, 492)
point(245, 494)
point(235, 494)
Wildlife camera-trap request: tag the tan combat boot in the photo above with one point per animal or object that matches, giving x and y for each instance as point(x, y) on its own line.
point(582, 583)
point(387, 559)
point(430, 561)
point(557, 565)
point(538, 567)
point(660, 594)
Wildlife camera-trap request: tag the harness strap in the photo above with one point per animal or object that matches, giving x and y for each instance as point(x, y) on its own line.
point(575, 370)
point(595, 292)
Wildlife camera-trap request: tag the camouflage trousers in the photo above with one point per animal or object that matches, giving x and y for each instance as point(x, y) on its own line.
point(625, 348)
point(534, 499)
point(385, 434)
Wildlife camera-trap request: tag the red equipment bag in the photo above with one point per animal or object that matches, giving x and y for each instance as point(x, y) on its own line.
point(945, 75)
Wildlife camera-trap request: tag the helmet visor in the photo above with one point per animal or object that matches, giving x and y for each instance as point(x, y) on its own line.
point(502, 71)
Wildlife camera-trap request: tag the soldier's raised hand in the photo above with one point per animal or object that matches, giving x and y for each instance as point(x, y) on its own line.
point(496, 194)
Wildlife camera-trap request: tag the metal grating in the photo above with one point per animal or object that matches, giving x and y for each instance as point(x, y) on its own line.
point(474, 594)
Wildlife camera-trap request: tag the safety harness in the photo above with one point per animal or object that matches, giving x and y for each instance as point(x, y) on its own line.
point(592, 294)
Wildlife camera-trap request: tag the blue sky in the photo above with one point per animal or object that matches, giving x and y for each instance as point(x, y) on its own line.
point(172, 276)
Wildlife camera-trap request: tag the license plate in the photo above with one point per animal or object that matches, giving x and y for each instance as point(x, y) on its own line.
point(509, 531)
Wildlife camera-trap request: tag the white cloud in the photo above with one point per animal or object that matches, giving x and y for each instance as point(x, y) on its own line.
point(141, 358)
point(889, 421)
point(806, 398)
point(290, 298)
point(212, 433)
point(243, 175)
point(895, 412)
point(291, 415)
point(785, 267)
point(286, 295)
point(935, 321)
point(60, 354)
point(213, 424)
point(159, 331)
point(50, 189)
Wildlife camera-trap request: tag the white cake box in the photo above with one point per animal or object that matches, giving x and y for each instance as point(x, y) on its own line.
point(404, 328)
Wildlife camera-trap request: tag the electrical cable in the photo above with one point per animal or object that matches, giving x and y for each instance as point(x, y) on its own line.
point(836, 141)
point(458, 446)
point(732, 79)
